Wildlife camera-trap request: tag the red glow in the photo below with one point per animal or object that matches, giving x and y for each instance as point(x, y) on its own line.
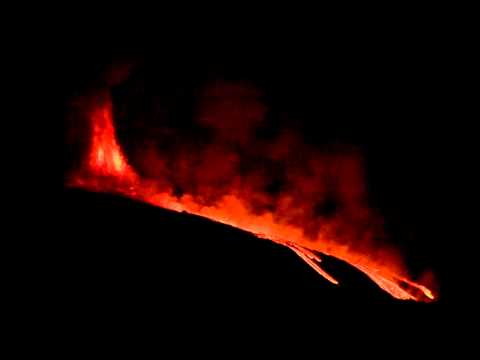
point(107, 169)
point(105, 157)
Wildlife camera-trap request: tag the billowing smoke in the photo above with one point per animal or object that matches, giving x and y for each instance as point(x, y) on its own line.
point(229, 159)
point(317, 190)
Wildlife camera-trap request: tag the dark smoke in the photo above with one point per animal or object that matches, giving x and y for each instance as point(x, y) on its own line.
point(230, 142)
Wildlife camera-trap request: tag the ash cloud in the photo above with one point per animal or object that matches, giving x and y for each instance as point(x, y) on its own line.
point(223, 149)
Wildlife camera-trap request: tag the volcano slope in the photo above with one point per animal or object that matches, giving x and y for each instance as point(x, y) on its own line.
point(131, 256)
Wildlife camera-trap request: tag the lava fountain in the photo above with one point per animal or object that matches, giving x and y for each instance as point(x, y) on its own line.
point(105, 168)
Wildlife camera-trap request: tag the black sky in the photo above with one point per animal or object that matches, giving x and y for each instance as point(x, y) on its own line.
point(389, 96)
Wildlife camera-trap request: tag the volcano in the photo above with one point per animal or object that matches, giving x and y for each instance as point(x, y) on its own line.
point(241, 199)
point(128, 254)
point(220, 152)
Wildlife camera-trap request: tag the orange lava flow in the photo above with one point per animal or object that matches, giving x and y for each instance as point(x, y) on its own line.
point(107, 170)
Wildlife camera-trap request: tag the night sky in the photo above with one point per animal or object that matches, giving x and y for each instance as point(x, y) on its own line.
point(387, 97)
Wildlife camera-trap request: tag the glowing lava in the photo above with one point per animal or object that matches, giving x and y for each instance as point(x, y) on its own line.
point(105, 157)
point(107, 169)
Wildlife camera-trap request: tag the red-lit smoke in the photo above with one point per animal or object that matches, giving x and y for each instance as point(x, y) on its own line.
point(275, 187)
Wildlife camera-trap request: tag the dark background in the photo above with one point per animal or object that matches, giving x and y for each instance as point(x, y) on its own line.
point(390, 95)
